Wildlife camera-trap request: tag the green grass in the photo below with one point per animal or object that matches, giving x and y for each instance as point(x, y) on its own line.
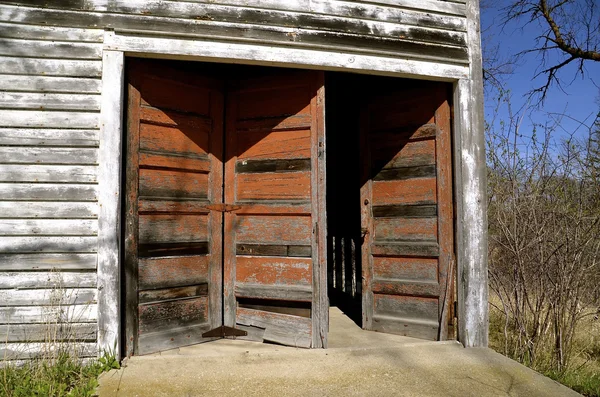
point(62, 376)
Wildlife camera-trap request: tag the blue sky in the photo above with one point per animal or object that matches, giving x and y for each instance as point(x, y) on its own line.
point(581, 97)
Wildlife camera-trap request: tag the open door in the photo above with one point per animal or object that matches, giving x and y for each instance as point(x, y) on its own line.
point(406, 201)
point(274, 178)
point(174, 173)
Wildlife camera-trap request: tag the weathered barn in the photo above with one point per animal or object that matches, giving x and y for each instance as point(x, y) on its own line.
point(172, 171)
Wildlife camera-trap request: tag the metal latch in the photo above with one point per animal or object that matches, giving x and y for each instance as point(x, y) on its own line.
point(223, 207)
point(224, 331)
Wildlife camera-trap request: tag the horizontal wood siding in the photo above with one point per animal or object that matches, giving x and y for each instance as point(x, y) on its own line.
point(422, 30)
point(49, 108)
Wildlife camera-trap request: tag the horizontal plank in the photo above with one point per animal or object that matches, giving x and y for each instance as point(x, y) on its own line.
point(274, 291)
point(173, 184)
point(412, 327)
point(302, 251)
point(64, 261)
point(75, 85)
point(48, 332)
point(407, 191)
point(158, 273)
point(47, 209)
point(284, 186)
point(48, 173)
point(390, 286)
point(159, 250)
point(403, 154)
point(292, 208)
point(273, 270)
point(275, 230)
point(49, 101)
point(48, 137)
point(172, 206)
point(54, 279)
point(20, 31)
point(169, 228)
point(405, 229)
point(50, 67)
point(37, 155)
point(417, 269)
point(64, 227)
point(9, 244)
point(248, 166)
point(155, 295)
point(279, 328)
point(50, 119)
point(21, 351)
point(167, 315)
point(420, 171)
point(46, 297)
point(417, 307)
point(49, 314)
point(405, 210)
point(411, 248)
point(48, 191)
point(49, 49)
point(294, 125)
point(172, 338)
point(161, 160)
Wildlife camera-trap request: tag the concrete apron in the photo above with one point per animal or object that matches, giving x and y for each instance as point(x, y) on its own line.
point(358, 362)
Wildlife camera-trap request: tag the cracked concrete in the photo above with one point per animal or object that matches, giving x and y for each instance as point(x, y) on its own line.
point(358, 363)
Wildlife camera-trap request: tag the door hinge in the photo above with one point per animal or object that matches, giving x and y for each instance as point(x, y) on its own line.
point(223, 207)
point(224, 331)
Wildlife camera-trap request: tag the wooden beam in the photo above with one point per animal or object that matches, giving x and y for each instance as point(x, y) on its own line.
point(470, 182)
point(109, 181)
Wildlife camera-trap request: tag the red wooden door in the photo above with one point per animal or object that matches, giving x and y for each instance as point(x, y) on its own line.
point(407, 220)
point(173, 258)
point(187, 272)
point(273, 257)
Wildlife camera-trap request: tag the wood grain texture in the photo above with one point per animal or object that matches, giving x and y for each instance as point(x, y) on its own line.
point(45, 297)
point(48, 137)
point(39, 84)
point(48, 192)
point(279, 328)
point(41, 227)
point(51, 67)
point(53, 279)
point(49, 314)
point(48, 173)
point(48, 209)
point(41, 332)
point(45, 261)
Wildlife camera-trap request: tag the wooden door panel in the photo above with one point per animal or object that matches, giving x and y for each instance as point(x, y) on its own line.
point(271, 171)
point(407, 212)
point(173, 242)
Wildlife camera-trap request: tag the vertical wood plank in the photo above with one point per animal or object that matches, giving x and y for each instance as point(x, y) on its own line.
point(131, 211)
point(472, 291)
point(216, 218)
point(445, 213)
point(366, 196)
point(230, 238)
point(109, 181)
point(320, 302)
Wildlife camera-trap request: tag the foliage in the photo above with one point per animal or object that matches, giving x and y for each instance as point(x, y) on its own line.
point(544, 248)
point(63, 376)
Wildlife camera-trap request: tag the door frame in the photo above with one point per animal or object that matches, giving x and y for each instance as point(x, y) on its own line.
point(468, 159)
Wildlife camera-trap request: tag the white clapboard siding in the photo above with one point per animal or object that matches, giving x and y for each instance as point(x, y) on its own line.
point(48, 137)
point(44, 261)
point(48, 314)
point(55, 279)
point(20, 351)
point(48, 192)
point(48, 209)
point(19, 31)
point(49, 119)
point(48, 173)
point(45, 155)
point(76, 85)
point(18, 244)
point(41, 227)
point(50, 67)
point(49, 101)
point(45, 297)
point(49, 49)
point(48, 332)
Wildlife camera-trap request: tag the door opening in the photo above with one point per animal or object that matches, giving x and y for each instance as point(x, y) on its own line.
point(390, 220)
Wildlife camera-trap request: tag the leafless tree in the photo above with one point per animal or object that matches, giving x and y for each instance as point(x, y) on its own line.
point(569, 32)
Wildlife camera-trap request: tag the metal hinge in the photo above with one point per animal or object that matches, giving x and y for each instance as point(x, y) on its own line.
point(223, 207)
point(224, 331)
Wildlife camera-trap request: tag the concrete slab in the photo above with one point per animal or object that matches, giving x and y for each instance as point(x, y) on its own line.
point(358, 363)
